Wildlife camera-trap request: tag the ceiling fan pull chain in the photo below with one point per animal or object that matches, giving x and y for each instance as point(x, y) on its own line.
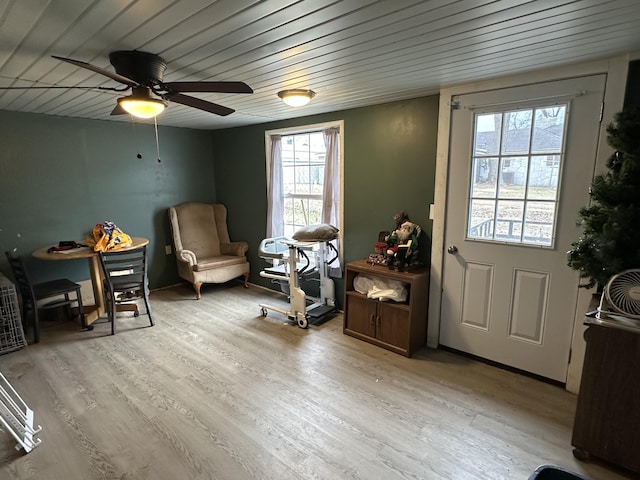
point(155, 123)
point(135, 137)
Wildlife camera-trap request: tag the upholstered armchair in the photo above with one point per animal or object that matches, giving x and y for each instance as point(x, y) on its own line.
point(204, 252)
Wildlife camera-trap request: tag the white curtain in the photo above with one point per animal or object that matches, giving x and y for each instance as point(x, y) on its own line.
point(275, 207)
point(331, 193)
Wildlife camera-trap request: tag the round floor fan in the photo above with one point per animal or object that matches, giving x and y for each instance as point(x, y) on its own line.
point(621, 296)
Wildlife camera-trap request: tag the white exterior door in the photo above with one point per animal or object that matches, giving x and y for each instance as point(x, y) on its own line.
point(521, 162)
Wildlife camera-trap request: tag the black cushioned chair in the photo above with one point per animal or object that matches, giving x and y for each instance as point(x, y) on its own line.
point(125, 280)
point(35, 296)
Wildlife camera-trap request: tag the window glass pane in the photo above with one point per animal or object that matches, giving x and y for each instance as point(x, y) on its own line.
point(484, 177)
point(316, 173)
point(300, 212)
point(287, 146)
point(288, 179)
point(302, 179)
point(315, 211)
point(549, 129)
point(301, 142)
point(516, 132)
point(487, 134)
point(481, 217)
point(513, 177)
point(288, 210)
point(539, 220)
point(509, 220)
point(543, 177)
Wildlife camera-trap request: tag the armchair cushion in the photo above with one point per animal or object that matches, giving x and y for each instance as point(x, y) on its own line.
point(218, 262)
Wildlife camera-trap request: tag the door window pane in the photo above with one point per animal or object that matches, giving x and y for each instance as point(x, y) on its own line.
point(509, 220)
point(482, 219)
point(516, 132)
point(487, 134)
point(538, 222)
point(515, 176)
point(484, 177)
point(548, 133)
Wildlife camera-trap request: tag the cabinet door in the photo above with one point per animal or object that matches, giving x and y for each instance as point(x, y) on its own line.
point(361, 316)
point(393, 325)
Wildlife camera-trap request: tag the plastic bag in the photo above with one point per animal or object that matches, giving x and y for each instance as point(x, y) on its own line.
point(107, 236)
point(380, 288)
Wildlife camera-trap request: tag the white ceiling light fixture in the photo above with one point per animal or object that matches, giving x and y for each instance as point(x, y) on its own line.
point(296, 97)
point(141, 104)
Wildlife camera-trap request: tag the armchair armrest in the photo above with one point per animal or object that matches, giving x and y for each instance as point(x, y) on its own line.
point(237, 249)
point(187, 256)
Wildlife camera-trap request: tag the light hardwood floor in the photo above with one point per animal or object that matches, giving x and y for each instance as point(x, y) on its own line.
point(215, 391)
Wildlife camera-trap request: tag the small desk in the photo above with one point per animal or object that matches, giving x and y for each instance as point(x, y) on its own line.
point(92, 313)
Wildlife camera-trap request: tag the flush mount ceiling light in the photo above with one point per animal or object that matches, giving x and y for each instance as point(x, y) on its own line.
point(296, 97)
point(141, 104)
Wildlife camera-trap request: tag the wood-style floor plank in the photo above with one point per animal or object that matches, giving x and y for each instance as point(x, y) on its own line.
point(216, 391)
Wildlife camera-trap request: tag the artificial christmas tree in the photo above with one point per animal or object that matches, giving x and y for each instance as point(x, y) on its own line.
point(610, 242)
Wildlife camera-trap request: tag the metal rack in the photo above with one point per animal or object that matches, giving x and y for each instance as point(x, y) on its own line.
point(11, 333)
point(17, 417)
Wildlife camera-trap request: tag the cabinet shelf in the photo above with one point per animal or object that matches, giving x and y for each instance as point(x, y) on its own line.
point(397, 326)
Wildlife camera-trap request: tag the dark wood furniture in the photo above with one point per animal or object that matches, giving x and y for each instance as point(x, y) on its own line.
point(607, 421)
point(397, 326)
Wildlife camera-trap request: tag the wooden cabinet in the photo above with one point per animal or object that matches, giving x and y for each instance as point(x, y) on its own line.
point(397, 326)
point(607, 421)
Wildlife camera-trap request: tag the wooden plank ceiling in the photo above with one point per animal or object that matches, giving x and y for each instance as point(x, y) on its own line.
point(352, 53)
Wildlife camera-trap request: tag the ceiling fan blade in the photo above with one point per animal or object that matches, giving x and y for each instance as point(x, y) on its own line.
point(118, 110)
point(218, 87)
point(102, 71)
point(199, 104)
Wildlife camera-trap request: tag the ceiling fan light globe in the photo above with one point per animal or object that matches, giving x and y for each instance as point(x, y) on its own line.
point(142, 108)
point(296, 97)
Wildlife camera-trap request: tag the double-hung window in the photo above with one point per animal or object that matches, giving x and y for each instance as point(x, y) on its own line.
point(304, 177)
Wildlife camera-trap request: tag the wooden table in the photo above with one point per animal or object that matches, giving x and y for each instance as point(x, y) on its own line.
point(92, 313)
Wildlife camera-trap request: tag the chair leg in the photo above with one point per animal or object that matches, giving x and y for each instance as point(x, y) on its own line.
point(83, 320)
point(196, 287)
point(36, 325)
point(246, 280)
point(112, 315)
point(146, 304)
point(68, 306)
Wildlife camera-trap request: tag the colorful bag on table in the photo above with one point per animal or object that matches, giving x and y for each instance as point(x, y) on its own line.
point(107, 236)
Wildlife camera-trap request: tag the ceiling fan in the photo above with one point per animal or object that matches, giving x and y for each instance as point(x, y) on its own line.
point(143, 72)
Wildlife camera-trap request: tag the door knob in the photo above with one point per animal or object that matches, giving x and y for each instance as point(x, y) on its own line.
point(452, 249)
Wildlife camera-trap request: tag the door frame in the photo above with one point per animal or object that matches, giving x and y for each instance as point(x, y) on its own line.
point(616, 69)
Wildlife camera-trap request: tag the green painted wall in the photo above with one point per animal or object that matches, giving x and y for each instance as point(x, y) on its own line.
point(389, 165)
point(60, 176)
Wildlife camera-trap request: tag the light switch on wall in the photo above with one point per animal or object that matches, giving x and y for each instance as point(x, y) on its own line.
point(167, 249)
